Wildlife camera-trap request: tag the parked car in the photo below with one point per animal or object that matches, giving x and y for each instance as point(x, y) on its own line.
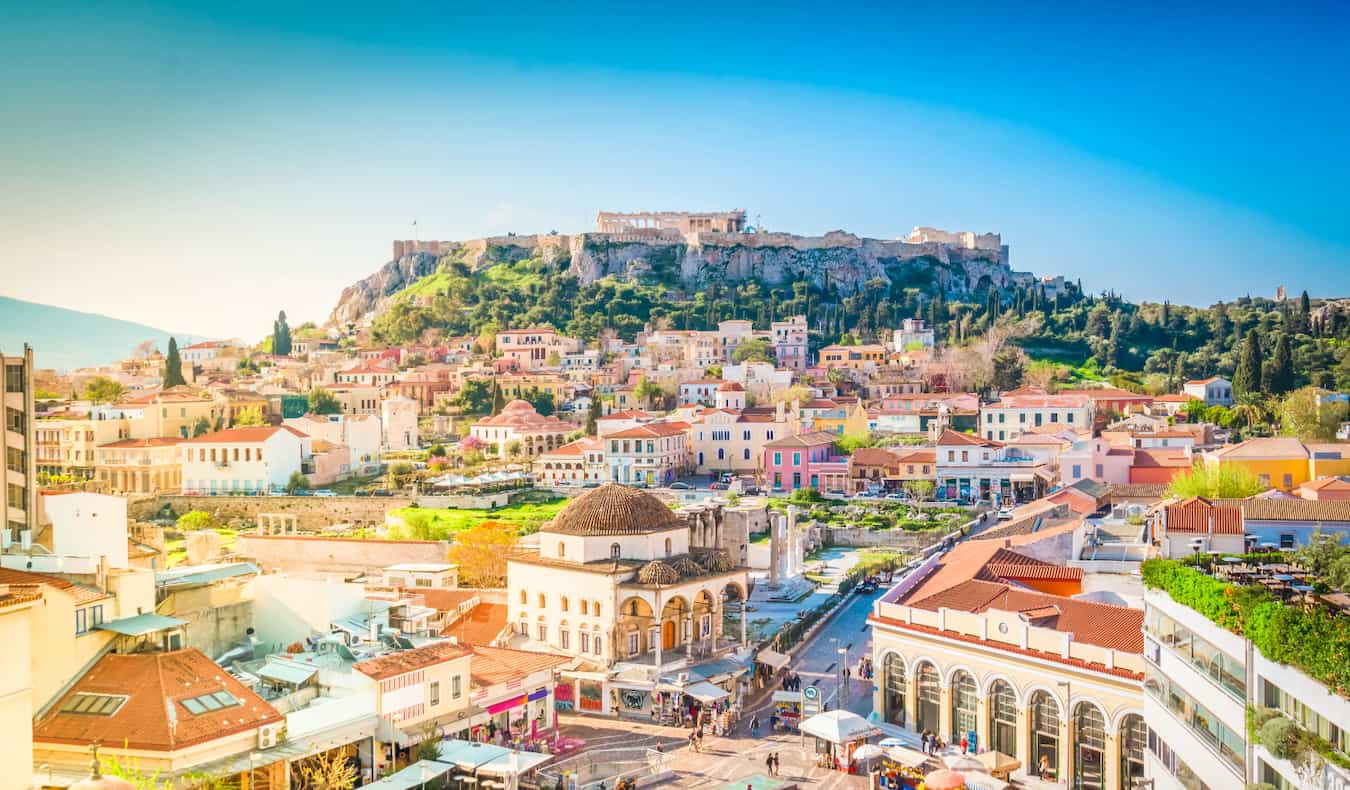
point(678, 486)
point(1005, 514)
point(324, 492)
point(718, 485)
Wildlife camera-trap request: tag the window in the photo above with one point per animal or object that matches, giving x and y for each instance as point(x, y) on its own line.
point(633, 643)
point(951, 456)
point(564, 639)
point(1288, 481)
point(543, 632)
point(965, 701)
point(1003, 717)
point(585, 639)
point(207, 703)
point(524, 597)
point(562, 603)
point(524, 627)
point(81, 621)
point(435, 692)
point(777, 459)
point(668, 547)
point(595, 644)
point(14, 379)
point(965, 456)
point(893, 676)
point(595, 608)
point(584, 607)
point(562, 549)
point(1099, 474)
point(543, 601)
point(614, 550)
point(745, 454)
point(1263, 479)
point(1286, 540)
point(796, 459)
point(1077, 471)
point(94, 704)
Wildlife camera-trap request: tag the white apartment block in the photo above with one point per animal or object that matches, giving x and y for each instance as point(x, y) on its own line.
point(1017, 414)
point(249, 460)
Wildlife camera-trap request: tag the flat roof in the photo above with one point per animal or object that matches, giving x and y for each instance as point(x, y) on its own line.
point(140, 624)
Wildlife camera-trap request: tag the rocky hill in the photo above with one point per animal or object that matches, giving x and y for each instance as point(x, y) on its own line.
point(840, 261)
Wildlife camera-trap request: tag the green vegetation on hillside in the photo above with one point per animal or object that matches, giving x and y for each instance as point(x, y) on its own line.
point(440, 524)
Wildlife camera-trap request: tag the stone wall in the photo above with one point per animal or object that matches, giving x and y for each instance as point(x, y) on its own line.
point(308, 554)
point(314, 513)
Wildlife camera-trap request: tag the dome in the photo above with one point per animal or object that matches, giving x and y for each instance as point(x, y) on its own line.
point(657, 572)
point(687, 568)
point(731, 386)
point(517, 406)
point(613, 509)
point(717, 561)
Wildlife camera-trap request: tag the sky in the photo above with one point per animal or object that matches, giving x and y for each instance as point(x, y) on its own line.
point(200, 167)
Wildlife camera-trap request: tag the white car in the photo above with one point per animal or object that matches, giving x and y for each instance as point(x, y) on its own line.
point(1005, 514)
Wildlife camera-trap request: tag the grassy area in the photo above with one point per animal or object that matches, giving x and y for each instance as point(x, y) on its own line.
point(351, 485)
point(175, 549)
point(440, 523)
point(519, 275)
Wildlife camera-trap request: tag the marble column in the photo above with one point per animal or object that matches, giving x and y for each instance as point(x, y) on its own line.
point(775, 547)
point(745, 634)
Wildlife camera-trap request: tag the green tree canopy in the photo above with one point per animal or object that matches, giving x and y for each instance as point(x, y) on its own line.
point(321, 401)
point(101, 389)
point(1302, 415)
point(249, 416)
point(757, 350)
point(1222, 482)
point(281, 336)
point(195, 519)
point(173, 366)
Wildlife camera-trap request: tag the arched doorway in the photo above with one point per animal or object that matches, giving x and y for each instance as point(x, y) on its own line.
point(668, 635)
point(1133, 738)
point(1044, 746)
point(1003, 718)
point(1089, 747)
point(893, 676)
point(928, 689)
point(965, 703)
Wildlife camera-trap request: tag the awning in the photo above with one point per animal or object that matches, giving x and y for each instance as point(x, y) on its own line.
point(1022, 477)
point(140, 624)
point(414, 776)
point(838, 726)
point(788, 696)
point(703, 691)
point(469, 755)
point(524, 761)
point(907, 756)
point(287, 672)
point(772, 659)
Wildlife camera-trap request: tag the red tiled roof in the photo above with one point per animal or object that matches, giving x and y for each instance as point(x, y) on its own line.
point(492, 665)
point(81, 593)
point(1040, 402)
point(153, 683)
point(480, 626)
point(154, 441)
point(1019, 571)
point(443, 600)
point(874, 456)
point(394, 664)
point(812, 439)
point(651, 430)
point(259, 433)
point(520, 414)
point(1162, 458)
point(1195, 515)
point(953, 437)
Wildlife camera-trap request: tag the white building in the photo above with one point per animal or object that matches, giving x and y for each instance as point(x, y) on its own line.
point(647, 455)
point(398, 421)
point(360, 433)
point(88, 525)
point(1214, 391)
point(243, 459)
point(1016, 414)
point(913, 334)
point(576, 463)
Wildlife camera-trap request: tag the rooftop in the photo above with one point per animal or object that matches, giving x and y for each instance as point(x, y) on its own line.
point(613, 509)
point(394, 664)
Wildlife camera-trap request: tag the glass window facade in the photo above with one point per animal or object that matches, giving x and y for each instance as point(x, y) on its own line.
point(1231, 746)
point(894, 669)
point(1227, 672)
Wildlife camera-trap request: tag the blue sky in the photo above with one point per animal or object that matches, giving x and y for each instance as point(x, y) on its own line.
point(201, 168)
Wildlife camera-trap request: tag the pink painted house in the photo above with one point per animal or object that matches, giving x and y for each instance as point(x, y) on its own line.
point(808, 460)
point(1095, 459)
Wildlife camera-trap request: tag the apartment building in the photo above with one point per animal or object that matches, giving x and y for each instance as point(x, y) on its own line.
point(18, 474)
point(69, 446)
point(650, 454)
point(248, 460)
point(790, 342)
point(1016, 414)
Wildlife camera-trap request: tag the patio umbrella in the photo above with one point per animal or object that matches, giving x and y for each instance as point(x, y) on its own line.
point(962, 762)
point(868, 751)
point(998, 762)
point(945, 779)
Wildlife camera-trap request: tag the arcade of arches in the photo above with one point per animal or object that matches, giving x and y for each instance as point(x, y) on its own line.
point(1101, 747)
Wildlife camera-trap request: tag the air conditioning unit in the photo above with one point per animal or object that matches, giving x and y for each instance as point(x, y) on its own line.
point(270, 735)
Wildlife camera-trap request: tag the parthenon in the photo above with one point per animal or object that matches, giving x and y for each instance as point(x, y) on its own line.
point(686, 222)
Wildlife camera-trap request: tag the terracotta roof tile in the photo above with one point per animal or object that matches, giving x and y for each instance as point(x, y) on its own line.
point(148, 680)
point(1197, 515)
point(492, 665)
point(259, 433)
point(393, 664)
point(481, 626)
point(613, 509)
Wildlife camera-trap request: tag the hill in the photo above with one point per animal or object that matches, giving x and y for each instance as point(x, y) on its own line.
point(66, 339)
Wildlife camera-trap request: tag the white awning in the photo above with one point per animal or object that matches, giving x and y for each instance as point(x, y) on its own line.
point(703, 691)
point(1022, 477)
point(772, 659)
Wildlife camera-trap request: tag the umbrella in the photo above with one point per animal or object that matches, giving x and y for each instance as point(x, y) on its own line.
point(962, 762)
point(838, 726)
point(945, 779)
point(998, 762)
point(868, 751)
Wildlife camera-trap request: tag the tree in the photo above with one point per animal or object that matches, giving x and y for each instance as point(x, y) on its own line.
point(321, 401)
point(513, 449)
point(330, 770)
point(297, 482)
point(1247, 378)
point(201, 427)
point(756, 350)
point(713, 371)
point(248, 417)
point(1007, 370)
point(1304, 413)
point(281, 336)
point(541, 400)
point(195, 519)
point(593, 414)
point(481, 553)
point(475, 397)
point(1279, 372)
point(648, 391)
point(498, 399)
point(919, 490)
point(1222, 482)
point(101, 389)
point(173, 366)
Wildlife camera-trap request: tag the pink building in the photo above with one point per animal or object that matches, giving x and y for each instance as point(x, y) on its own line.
point(808, 460)
point(1095, 459)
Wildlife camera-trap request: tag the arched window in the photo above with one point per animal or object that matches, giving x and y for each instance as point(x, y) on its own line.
point(1044, 735)
point(1088, 736)
point(893, 670)
point(543, 601)
point(562, 602)
point(668, 547)
point(595, 608)
point(614, 550)
point(1002, 718)
point(965, 703)
point(562, 549)
point(928, 689)
point(584, 606)
point(1133, 739)
point(524, 596)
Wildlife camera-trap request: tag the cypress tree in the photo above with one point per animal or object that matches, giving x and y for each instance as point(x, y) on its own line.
point(1281, 367)
point(173, 366)
point(1247, 379)
point(281, 336)
point(497, 400)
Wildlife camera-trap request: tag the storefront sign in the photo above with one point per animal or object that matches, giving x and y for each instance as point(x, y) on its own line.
point(538, 694)
point(810, 701)
point(506, 704)
point(591, 697)
point(562, 697)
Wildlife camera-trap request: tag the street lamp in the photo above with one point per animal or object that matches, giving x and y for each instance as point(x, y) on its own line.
point(843, 686)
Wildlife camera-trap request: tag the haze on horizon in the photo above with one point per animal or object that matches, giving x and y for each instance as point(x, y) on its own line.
point(202, 168)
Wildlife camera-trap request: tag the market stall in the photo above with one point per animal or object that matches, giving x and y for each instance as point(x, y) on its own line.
point(837, 734)
point(787, 710)
point(901, 768)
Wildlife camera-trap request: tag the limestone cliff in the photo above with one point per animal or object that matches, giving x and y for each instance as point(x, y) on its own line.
point(843, 260)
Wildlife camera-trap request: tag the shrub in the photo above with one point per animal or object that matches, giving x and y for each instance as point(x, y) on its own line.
point(1281, 737)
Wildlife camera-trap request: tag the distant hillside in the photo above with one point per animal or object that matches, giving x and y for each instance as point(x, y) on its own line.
point(66, 339)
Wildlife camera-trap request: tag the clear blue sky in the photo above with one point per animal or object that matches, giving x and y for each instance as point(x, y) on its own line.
point(199, 169)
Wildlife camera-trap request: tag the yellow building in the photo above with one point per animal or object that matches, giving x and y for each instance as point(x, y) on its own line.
point(868, 357)
point(174, 412)
point(140, 466)
point(1284, 462)
point(68, 447)
point(417, 691)
point(967, 644)
point(846, 419)
point(514, 386)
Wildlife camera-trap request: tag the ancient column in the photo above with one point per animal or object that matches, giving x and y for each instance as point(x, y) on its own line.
point(660, 631)
point(775, 551)
point(745, 635)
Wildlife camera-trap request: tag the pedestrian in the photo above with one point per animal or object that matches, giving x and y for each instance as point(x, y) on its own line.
point(927, 738)
point(965, 745)
point(775, 763)
point(768, 764)
point(754, 725)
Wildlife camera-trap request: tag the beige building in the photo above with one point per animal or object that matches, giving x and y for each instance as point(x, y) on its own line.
point(69, 447)
point(574, 464)
point(18, 475)
point(731, 438)
point(969, 643)
point(16, 678)
point(175, 412)
point(140, 466)
point(416, 690)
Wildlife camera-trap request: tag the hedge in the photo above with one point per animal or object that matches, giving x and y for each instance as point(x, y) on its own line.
point(1315, 640)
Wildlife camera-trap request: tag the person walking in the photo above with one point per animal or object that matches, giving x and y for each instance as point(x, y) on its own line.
point(768, 764)
point(754, 726)
point(775, 764)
